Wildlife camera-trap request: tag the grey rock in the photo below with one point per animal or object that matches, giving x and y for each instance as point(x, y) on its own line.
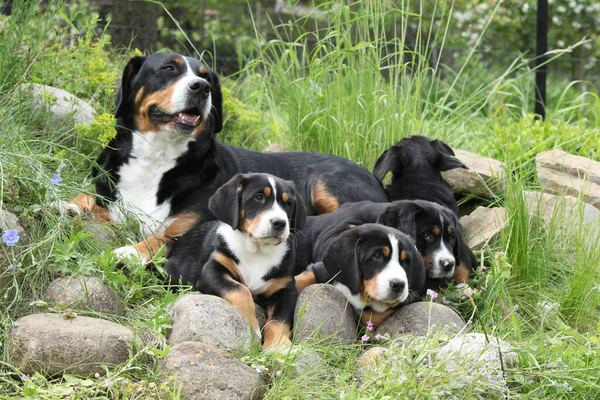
point(210, 320)
point(59, 103)
point(563, 173)
point(84, 294)
point(418, 319)
point(10, 221)
point(277, 148)
point(102, 233)
point(485, 176)
point(50, 344)
point(474, 354)
point(309, 362)
point(484, 226)
point(323, 312)
point(207, 373)
point(370, 359)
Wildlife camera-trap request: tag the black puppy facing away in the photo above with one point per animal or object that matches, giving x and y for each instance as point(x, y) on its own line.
point(377, 268)
point(434, 229)
point(247, 255)
point(416, 163)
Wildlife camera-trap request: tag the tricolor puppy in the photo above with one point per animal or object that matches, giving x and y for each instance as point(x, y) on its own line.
point(376, 267)
point(247, 255)
point(165, 162)
point(434, 229)
point(416, 163)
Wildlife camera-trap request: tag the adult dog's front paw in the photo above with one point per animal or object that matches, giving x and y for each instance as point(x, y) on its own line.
point(130, 253)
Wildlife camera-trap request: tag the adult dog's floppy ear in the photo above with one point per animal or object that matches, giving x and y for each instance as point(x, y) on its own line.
point(216, 109)
point(129, 73)
point(299, 213)
point(401, 215)
point(226, 202)
point(445, 157)
point(341, 260)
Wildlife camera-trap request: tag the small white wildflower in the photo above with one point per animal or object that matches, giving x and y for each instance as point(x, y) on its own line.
point(96, 375)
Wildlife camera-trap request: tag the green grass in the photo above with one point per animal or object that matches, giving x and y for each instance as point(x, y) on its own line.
point(348, 88)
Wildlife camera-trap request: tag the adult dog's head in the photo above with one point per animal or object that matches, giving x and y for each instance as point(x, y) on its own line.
point(169, 92)
point(374, 266)
point(436, 232)
point(263, 206)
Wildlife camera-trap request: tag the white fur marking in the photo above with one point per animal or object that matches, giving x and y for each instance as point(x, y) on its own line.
point(179, 100)
point(393, 270)
point(276, 212)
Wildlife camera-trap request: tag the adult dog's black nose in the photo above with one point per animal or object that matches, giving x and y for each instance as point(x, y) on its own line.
point(397, 285)
point(200, 86)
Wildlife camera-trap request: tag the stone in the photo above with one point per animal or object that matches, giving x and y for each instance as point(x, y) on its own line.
point(563, 173)
point(322, 312)
point(277, 148)
point(210, 320)
point(10, 221)
point(102, 233)
point(84, 294)
point(475, 355)
point(485, 176)
point(421, 319)
point(207, 373)
point(50, 344)
point(370, 359)
point(59, 103)
point(484, 226)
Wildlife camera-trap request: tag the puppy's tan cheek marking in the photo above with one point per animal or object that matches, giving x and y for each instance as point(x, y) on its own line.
point(461, 274)
point(228, 263)
point(428, 263)
point(276, 285)
point(267, 191)
point(304, 279)
point(370, 287)
point(240, 188)
point(385, 251)
point(139, 96)
point(450, 229)
point(435, 230)
point(250, 225)
point(242, 300)
point(285, 196)
point(276, 334)
point(322, 201)
point(403, 255)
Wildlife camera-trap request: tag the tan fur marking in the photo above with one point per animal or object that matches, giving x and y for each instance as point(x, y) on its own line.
point(203, 70)
point(267, 191)
point(376, 317)
point(275, 285)
point(240, 188)
point(139, 95)
point(428, 262)
point(276, 334)
point(242, 214)
point(304, 279)
point(148, 247)
point(435, 230)
point(250, 225)
point(178, 61)
point(370, 287)
point(450, 229)
point(461, 274)
point(403, 255)
point(285, 196)
point(242, 300)
point(162, 99)
point(183, 222)
point(87, 204)
point(228, 263)
point(385, 251)
point(350, 226)
point(322, 201)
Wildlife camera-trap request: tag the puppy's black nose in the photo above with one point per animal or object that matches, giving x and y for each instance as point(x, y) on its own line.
point(447, 265)
point(278, 224)
point(397, 285)
point(199, 86)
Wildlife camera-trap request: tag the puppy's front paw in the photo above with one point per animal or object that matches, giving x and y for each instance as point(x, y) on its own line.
point(130, 253)
point(67, 208)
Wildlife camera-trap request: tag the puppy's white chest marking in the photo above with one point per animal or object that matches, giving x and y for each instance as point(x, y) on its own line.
point(152, 155)
point(255, 261)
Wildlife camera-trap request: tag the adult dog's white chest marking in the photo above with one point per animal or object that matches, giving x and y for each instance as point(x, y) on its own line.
point(152, 155)
point(255, 261)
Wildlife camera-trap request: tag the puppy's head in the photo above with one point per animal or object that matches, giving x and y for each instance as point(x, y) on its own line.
point(435, 230)
point(416, 153)
point(263, 206)
point(169, 92)
point(378, 263)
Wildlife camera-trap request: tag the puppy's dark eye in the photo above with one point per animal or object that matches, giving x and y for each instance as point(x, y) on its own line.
point(259, 197)
point(168, 68)
point(428, 236)
point(377, 256)
point(288, 204)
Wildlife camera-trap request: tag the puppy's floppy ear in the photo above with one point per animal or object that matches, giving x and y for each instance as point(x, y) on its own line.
point(129, 73)
point(216, 109)
point(416, 276)
point(402, 215)
point(226, 202)
point(445, 157)
point(341, 260)
point(462, 252)
point(386, 162)
point(299, 213)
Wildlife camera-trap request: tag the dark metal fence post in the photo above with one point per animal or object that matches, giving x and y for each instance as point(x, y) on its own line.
point(540, 50)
